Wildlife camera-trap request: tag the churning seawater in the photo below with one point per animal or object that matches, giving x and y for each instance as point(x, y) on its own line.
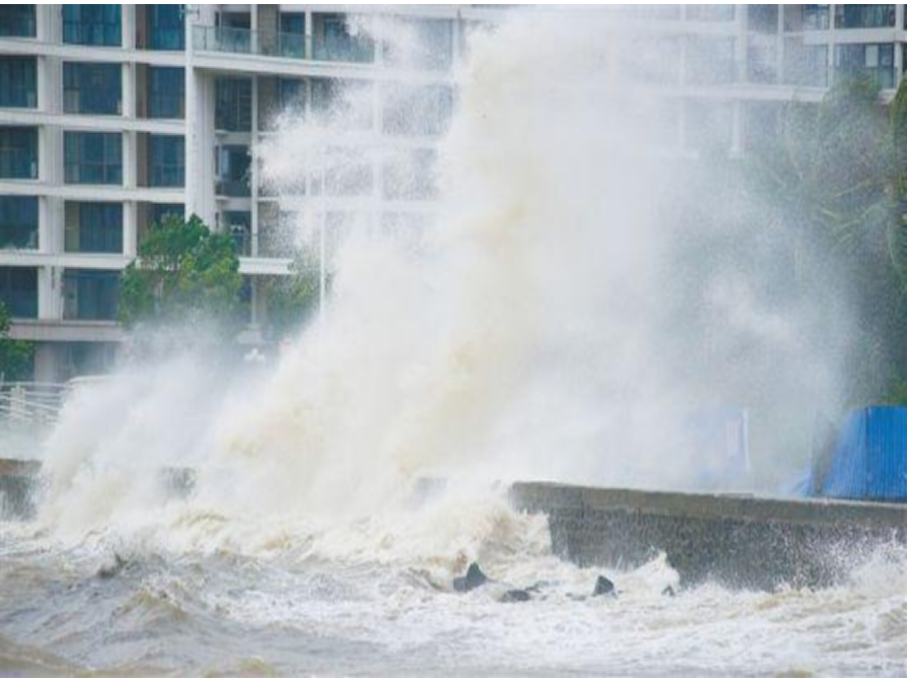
point(528, 336)
point(374, 597)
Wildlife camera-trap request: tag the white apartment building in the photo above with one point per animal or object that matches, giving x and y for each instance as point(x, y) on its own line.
point(113, 116)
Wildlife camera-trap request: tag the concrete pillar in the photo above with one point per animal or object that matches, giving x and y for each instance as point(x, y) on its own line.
point(50, 297)
point(128, 26)
point(50, 23)
point(741, 43)
point(130, 158)
point(309, 32)
point(128, 79)
point(832, 39)
point(46, 365)
point(779, 52)
point(130, 228)
point(899, 66)
point(199, 129)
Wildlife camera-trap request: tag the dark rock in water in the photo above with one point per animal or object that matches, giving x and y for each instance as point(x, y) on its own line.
point(515, 596)
point(110, 571)
point(604, 587)
point(474, 578)
point(669, 591)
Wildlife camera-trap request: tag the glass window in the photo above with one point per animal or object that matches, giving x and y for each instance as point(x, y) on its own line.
point(816, 17)
point(90, 88)
point(19, 291)
point(94, 227)
point(872, 59)
point(292, 34)
point(292, 22)
point(166, 92)
point(337, 39)
point(162, 212)
point(167, 158)
point(238, 223)
point(85, 359)
point(864, 16)
point(18, 82)
point(166, 27)
point(19, 222)
point(233, 165)
point(92, 25)
point(233, 106)
point(93, 157)
point(18, 21)
point(91, 295)
point(292, 95)
point(18, 153)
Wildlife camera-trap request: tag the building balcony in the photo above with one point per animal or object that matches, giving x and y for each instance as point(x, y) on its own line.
point(241, 41)
point(245, 41)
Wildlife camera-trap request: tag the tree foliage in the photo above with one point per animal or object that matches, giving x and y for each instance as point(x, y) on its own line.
point(15, 355)
point(185, 274)
point(838, 172)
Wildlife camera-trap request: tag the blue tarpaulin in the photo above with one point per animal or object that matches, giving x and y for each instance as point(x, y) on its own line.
point(869, 459)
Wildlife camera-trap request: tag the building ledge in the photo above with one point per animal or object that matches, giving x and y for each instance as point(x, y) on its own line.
point(67, 330)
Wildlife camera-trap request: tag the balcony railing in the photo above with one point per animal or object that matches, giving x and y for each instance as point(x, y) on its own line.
point(244, 41)
point(233, 188)
point(286, 45)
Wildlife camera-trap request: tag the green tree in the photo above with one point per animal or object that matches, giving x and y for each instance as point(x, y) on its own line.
point(836, 175)
point(15, 355)
point(897, 234)
point(185, 275)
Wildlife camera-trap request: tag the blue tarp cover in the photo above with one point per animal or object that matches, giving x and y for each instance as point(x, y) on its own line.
point(870, 457)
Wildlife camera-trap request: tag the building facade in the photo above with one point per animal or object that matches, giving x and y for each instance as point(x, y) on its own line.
point(114, 116)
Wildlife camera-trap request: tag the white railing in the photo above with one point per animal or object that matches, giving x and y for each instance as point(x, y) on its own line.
point(31, 403)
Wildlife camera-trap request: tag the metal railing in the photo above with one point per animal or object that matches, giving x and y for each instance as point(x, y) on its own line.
point(32, 403)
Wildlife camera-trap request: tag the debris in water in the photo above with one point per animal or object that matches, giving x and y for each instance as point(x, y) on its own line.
point(669, 591)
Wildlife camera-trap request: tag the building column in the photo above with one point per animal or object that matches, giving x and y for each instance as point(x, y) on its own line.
point(130, 158)
point(50, 23)
point(899, 66)
point(128, 26)
point(130, 229)
point(832, 38)
point(50, 293)
point(46, 363)
point(741, 44)
point(309, 47)
point(779, 51)
point(128, 85)
point(199, 190)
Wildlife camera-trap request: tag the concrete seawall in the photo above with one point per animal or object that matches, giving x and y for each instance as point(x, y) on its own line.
point(19, 481)
point(739, 541)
